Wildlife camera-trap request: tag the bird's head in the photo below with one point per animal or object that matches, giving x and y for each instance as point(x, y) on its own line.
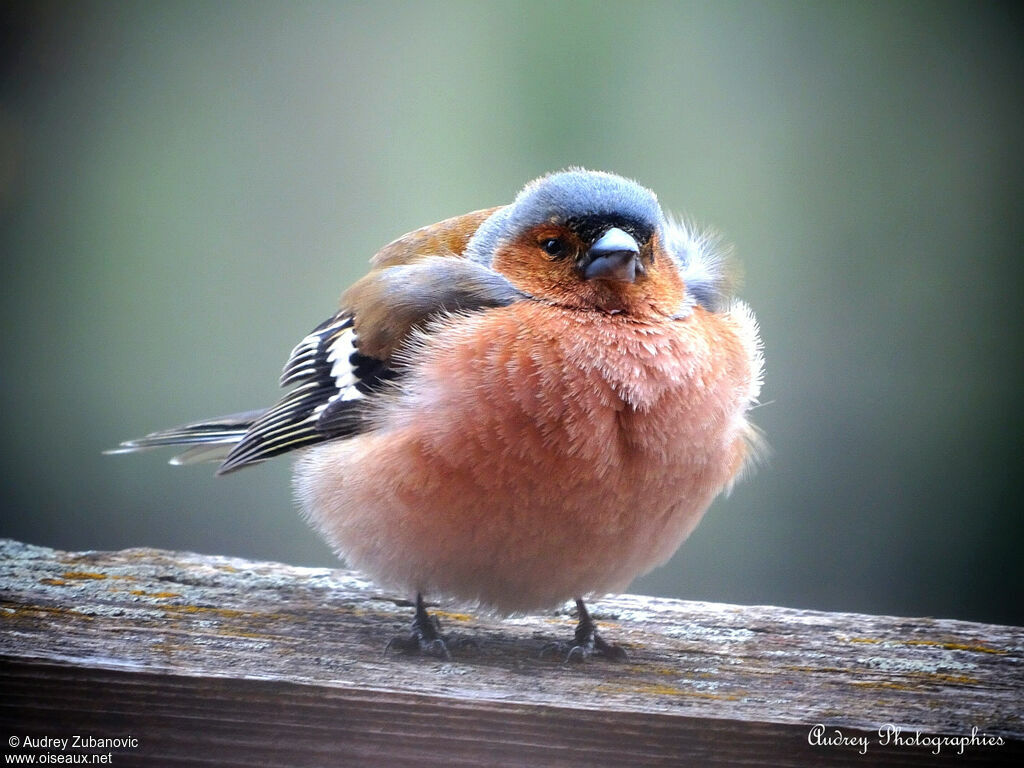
point(586, 240)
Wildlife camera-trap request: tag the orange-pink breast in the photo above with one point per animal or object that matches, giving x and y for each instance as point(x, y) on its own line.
point(537, 453)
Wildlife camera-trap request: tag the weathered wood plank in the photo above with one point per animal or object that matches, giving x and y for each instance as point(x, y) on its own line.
point(220, 661)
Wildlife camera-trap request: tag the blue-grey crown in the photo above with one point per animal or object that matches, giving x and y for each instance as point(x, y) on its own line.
point(567, 195)
point(581, 194)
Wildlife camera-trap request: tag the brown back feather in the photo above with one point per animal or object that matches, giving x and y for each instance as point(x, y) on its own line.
point(445, 238)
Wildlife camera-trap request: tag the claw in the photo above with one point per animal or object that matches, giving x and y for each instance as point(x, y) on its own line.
point(586, 642)
point(425, 637)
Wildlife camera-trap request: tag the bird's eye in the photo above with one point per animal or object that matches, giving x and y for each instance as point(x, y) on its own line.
point(553, 247)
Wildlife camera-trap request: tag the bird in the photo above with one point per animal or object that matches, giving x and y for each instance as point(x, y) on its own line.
point(516, 407)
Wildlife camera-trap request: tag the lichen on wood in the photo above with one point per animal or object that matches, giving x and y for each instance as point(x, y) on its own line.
point(279, 647)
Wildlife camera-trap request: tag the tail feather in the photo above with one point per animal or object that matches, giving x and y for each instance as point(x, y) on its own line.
point(213, 452)
point(210, 440)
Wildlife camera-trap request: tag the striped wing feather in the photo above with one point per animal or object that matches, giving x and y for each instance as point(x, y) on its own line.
point(321, 367)
point(348, 358)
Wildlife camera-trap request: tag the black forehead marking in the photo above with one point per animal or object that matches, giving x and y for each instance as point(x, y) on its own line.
point(590, 227)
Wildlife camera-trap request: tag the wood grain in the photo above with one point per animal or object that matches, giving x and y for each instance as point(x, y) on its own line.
point(218, 661)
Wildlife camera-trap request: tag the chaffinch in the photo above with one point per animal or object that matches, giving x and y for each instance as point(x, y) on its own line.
point(515, 406)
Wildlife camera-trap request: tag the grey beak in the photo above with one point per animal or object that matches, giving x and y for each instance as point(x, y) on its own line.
point(614, 256)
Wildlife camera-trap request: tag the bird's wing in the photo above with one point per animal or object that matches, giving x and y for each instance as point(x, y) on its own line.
point(445, 238)
point(345, 361)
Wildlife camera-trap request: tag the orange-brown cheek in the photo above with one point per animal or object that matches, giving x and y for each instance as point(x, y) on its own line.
point(659, 291)
point(543, 278)
point(664, 287)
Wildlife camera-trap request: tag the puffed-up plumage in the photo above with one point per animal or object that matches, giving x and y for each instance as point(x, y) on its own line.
point(517, 406)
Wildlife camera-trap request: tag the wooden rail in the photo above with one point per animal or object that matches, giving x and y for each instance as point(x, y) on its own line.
point(167, 658)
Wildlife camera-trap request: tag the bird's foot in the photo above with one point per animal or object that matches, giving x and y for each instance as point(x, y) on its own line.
point(586, 642)
point(425, 638)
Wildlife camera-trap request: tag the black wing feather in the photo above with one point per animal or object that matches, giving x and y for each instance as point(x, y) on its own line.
point(336, 379)
point(332, 377)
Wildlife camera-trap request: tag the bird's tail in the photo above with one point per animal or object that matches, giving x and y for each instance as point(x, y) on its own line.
point(210, 440)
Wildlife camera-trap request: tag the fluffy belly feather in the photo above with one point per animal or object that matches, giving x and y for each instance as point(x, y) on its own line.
point(518, 469)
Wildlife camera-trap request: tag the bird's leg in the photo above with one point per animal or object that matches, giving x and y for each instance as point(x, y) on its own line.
point(425, 637)
point(586, 641)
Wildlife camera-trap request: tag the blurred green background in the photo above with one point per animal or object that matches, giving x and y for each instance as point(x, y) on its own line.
point(186, 188)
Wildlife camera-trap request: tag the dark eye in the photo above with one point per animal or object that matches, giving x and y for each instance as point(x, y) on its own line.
point(553, 247)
